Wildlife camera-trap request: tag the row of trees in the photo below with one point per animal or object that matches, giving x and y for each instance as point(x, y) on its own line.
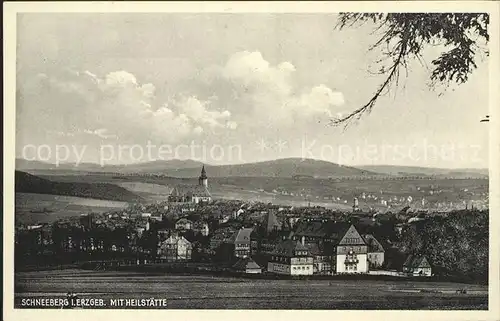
point(456, 245)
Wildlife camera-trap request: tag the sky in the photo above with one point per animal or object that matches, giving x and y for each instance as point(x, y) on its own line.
point(231, 88)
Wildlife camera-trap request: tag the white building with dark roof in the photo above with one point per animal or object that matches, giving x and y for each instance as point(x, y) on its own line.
point(291, 258)
point(247, 265)
point(417, 265)
point(241, 241)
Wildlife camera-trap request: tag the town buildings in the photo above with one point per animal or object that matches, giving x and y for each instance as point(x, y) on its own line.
point(241, 242)
point(247, 265)
point(417, 265)
point(352, 253)
point(339, 240)
point(175, 248)
point(291, 258)
point(376, 252)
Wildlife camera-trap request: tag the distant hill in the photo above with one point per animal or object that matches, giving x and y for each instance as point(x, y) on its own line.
point(285, 168)
point(394, 170)
point(27, 183)
point(146, 167)
point(156, 166)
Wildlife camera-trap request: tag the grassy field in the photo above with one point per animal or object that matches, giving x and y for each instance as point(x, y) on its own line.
point(42, 208)
point(206, 292)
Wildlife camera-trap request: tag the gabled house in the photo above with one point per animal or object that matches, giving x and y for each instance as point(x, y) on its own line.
point(376, 252)
point(175, 248)
point(417, 265)
point(291, 258)
point(323, 257)
point(352, 253)
point(247, 265)
point(242, 242)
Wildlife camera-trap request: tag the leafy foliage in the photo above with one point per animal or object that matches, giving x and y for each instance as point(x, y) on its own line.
point(456, 245)
point(406, 35)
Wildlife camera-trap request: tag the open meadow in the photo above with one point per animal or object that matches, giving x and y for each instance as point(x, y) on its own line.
point(45, 208)
point(207, 292)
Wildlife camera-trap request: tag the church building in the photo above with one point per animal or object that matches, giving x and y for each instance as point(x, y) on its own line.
point(192, 194)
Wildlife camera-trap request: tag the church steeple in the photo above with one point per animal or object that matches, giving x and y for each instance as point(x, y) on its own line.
point(203, 179)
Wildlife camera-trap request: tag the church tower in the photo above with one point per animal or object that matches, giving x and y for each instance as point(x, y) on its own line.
point(203, 179)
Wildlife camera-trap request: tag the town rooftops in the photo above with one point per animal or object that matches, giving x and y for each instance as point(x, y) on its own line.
point(321, 249)
point(416, 261)
point(321, 229)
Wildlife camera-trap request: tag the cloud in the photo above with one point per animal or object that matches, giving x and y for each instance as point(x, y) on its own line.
point(198, 111)
point(116, 103)
point(247, 94)
point(266, 93)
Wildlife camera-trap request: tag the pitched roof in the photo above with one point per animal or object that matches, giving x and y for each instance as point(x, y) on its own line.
point(352, 237)
point(416, 261)
point(246, 263)
point(271, 221)
point(321, 249)
point(241, 236)
point(373, 244)
point(290, 248)
point(321, 228)
point(175, 240)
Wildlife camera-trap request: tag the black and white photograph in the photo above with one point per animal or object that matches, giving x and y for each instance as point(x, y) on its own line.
point(253, 159)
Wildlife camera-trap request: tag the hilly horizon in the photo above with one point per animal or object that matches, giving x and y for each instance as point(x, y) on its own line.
point(426, 171)
point(28, 183)
point(286, 167)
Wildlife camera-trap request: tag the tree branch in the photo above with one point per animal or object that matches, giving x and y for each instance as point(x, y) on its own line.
point(393, 72)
